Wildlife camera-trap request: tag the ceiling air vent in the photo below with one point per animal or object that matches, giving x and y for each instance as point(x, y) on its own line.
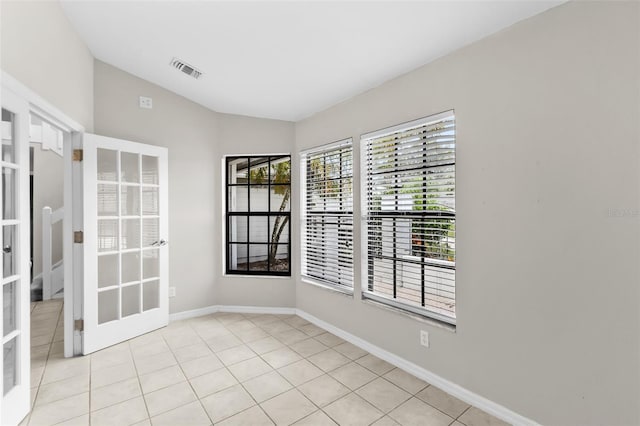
point(186, 68)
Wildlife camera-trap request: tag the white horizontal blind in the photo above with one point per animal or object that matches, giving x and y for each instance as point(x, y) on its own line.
point(409, 185)
point(327, 214)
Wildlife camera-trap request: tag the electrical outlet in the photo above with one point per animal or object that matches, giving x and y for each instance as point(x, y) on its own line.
point(424, 338)
point(172, 292)
point(146, 102)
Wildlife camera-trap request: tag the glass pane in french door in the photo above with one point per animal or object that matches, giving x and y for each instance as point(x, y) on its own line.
point(128, 234)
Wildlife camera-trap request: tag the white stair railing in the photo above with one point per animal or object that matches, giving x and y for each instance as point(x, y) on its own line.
point(51, 282)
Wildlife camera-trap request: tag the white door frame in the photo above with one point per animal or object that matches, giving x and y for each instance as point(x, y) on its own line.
point(72, 258)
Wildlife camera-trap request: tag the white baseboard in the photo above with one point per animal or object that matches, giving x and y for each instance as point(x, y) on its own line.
point(453, 389)
point(458, 391)
point(193, 313)
point(231, 308)
point(257, 310)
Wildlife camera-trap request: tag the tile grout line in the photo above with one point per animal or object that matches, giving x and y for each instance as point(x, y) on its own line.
point(135, 367)
point(44, 368)
point(185, 375)
point(294, 387)
point(240, 383)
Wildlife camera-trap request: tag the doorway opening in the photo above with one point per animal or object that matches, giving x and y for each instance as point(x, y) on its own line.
point(46, 186)
point(47, 212)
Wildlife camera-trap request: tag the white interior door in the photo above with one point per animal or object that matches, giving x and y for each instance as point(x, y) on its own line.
point(14, 262)
point(125, 240)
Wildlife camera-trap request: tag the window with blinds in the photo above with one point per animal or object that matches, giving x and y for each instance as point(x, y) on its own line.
point(327, 214)
point(409, 194)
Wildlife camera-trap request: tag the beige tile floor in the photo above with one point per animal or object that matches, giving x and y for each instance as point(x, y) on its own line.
point(229, 369)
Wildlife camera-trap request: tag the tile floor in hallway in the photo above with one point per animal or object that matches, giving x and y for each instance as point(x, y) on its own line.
point(229, 369)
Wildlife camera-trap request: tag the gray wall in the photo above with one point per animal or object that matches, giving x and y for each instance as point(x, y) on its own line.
point(244, 135)
point(197, 139)
point(547, 278)
point(48, 189)
point(40, 48)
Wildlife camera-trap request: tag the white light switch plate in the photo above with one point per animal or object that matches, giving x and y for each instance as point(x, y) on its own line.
point(172, 292)
point(146, 102)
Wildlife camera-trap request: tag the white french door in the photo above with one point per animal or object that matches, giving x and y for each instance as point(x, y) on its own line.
point(14, 262)
point(125, 240)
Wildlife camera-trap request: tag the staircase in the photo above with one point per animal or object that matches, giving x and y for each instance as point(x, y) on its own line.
point(50, 283)
point(56, 290)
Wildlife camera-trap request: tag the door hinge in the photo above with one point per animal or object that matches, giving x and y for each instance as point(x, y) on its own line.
point(77, 155)
point(78, 237)
point(78, 325)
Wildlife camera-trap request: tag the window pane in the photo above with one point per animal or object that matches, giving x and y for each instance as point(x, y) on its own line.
point(259, 198)
point(108, 270)
point(150, 264)
point(9, 308)
point(150, 201)
point(130, 267)
point(150, 295)
point(280, 170)
point(259, 173)
point(107, 165)
point(150, 170)
point(238, 199)
point(278, 229)
point(130, 233)
point(280, 198)
point(129, 167)
point(108, 306)
point(279, 257)
point(237, 170)
point(8, 193)
point(258, 257)
point(130, 300)
point(238, 257)
point(150, 232)
point(9, 250)
point(107, 200)
point(258, 229)
point(238, 229)
point(10, 365)
point(130, 199)
point(107, 235)
point(8, 144)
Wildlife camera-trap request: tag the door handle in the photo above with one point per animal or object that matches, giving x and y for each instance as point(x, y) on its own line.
point(160, 243)
point(7, 249)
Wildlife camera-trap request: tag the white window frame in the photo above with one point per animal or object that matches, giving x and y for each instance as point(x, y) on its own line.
point(341, 283)
point(366, 294)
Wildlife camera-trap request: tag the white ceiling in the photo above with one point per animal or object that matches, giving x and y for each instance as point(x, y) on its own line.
point(283, 60)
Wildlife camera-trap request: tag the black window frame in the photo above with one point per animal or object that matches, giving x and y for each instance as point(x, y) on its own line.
point(248, 214)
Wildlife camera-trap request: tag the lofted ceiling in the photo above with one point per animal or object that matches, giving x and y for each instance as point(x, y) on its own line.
point(283, 60)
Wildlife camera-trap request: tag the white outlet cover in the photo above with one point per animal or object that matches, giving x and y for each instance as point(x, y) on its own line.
point(146, 102)
point(172, 292)
point(424, 338)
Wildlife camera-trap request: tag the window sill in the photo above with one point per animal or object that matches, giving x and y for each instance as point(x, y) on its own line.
point(261, 277)
point(343, 291)
point(422, 318)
